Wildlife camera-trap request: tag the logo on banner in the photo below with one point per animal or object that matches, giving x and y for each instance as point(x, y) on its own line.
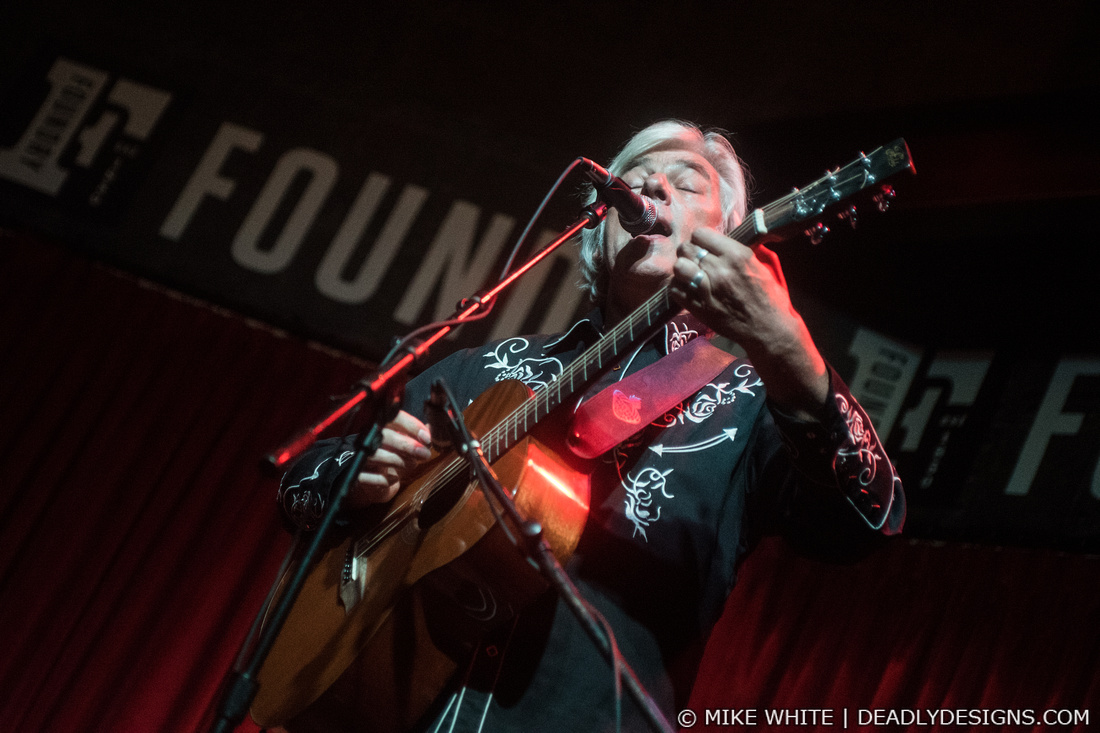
point(82, 142)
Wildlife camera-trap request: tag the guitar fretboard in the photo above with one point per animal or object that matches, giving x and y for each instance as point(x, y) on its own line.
point(797, 206)
point(575, 377)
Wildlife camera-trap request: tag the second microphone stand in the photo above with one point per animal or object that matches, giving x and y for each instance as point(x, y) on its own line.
point(535, 546)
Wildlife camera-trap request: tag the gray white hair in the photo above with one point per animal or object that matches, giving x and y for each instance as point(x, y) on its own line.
point(715, 148)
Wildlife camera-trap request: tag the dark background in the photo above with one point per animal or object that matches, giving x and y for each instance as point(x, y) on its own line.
point(987, 250)
point(141, 376)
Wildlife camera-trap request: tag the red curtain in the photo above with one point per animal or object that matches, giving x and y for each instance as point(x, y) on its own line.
point(138, 535)
point(918, 627)
point(137, 531)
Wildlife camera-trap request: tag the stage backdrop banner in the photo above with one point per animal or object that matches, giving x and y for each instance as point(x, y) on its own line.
point(347, 227)
point(353, 223)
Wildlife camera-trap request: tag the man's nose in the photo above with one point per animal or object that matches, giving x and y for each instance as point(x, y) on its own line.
point(656, 187)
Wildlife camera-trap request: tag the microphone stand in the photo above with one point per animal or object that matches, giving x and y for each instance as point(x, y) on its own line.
point(538, 551)
point(382, 395)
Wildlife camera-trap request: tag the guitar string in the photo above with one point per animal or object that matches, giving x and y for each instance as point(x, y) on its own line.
point(397, 514)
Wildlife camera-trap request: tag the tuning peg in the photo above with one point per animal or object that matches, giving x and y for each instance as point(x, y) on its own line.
point(849, 215)
point(817, 232)
point(884, 197)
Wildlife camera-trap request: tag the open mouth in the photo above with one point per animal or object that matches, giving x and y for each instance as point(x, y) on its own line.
point(661, 228)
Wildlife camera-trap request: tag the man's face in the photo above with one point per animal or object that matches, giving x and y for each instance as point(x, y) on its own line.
point(685, 188)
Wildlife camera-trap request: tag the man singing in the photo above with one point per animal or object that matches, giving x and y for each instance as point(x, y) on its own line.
point(770, 443)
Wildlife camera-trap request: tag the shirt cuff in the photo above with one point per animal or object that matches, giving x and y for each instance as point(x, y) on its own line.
point(841, 449)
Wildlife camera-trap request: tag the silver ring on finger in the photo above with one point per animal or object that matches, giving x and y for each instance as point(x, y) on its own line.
point(700, 254)
point(697, 280)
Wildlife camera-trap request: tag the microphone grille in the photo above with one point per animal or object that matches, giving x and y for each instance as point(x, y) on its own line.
point(644, 222)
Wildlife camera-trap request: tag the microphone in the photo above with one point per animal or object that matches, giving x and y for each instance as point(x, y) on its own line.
point(437, 409)
point(637, 214)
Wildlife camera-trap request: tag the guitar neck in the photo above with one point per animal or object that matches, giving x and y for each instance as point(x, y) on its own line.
point(640, 324)
point(773, 221)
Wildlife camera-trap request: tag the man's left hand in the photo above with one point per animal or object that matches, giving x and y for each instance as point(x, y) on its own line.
point(741, 293)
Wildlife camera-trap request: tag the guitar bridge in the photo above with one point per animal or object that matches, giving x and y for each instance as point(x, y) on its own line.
point(353, 578)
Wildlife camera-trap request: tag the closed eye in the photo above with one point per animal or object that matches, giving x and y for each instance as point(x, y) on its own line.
point(688, 181)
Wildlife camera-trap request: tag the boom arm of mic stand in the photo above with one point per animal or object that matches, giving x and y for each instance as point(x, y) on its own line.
point(285, 455)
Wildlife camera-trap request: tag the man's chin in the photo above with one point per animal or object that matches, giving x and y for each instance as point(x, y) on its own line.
point(652, 272)
point(633, 288)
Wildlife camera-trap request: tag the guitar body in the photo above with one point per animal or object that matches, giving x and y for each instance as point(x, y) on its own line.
point(321, 640)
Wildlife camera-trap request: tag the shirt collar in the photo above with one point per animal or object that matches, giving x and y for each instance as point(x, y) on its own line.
point(682, 328)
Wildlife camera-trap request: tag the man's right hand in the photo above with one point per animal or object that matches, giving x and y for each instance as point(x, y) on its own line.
point(405, 444)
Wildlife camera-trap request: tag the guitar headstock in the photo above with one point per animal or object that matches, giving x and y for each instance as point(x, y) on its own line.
point(867, 171)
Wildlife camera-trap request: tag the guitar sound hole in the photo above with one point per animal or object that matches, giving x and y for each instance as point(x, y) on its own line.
point(443, 500)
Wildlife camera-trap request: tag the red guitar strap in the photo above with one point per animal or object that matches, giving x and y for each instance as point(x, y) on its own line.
point(624, 408)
